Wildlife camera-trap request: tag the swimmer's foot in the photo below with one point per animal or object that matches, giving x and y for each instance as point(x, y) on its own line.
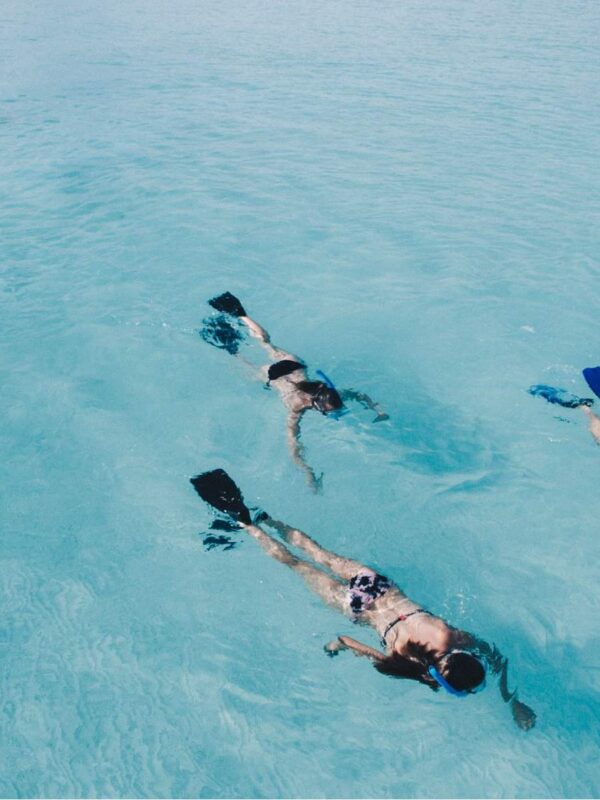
point(333, 648)
point(218, 490)
point(259, 515)
point(228, 304)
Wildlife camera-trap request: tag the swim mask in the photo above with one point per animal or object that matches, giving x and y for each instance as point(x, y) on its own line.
point(439, 678)
point(320, 400)
point(444, 683)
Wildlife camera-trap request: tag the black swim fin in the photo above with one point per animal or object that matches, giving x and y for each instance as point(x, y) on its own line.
point(229, 304)
point(218, 490)
point(559, 397)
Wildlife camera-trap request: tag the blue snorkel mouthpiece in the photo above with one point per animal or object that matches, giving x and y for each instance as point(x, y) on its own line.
point(444, 683)
point(473, 672)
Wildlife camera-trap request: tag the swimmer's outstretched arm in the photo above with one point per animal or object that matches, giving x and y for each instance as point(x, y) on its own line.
point(297, 450)
point(366, 402)
point(523, 715)
point(348, 643)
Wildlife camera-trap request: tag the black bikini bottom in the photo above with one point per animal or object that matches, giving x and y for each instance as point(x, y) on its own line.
point(281, 368)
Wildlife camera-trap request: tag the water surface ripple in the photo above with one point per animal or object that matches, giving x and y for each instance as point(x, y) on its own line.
point(406, 194)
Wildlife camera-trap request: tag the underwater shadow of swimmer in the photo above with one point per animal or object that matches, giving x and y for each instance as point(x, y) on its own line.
point(220, 541)
point(438, 440)
point(553, 667)
point(221, 333)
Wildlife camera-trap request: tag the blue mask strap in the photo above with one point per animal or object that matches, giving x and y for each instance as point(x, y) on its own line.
point(444, 683)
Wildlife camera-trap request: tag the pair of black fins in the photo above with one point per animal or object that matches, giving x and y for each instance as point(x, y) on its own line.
point(216, 487)
point(218, 330)
point(561, 397)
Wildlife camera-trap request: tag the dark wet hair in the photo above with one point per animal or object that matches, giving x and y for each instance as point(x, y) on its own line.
point(463, 671)
point(324, 399)
point(413, 666)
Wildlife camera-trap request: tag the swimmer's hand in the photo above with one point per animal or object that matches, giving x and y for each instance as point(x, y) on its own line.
point(522, 714)
point(333, 648)
point(316, 484)
point(381, 417)
point(358, 648)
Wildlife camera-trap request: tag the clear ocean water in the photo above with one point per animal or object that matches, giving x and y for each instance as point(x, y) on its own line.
point(406, 195)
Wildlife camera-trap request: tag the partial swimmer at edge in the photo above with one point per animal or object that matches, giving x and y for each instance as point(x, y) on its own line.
point(417, 644)
point(566, 399)
point(288, 375)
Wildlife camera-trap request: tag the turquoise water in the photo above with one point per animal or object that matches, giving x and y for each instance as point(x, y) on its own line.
point(406, 195)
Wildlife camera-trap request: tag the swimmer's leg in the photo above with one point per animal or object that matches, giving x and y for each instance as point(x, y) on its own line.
point(218, 490)
point(229, 304)
point(593, 421)
point(256, 330)
point(344, 567)
point(330, 590)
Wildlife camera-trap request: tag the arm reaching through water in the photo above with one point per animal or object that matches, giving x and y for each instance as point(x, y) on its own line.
point(366, 402)
point(523, 715)
point(348, 643)
point(297, 451)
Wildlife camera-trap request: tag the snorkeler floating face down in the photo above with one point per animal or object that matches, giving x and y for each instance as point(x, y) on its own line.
point(286, 374)
point(416, 644)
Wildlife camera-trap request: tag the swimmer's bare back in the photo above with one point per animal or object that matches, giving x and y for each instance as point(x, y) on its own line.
point(287, 374)
point(417, 645)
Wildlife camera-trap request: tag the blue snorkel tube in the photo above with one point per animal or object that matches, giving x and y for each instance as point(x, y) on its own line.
point(444, 683)
point(331, 385)
point(327, 381)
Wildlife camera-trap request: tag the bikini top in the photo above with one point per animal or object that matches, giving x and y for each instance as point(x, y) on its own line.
point(401, 618)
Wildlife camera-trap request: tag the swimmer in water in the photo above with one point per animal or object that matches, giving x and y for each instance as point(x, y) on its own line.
point(562, 397)
point(417, 645)
point(287, 374)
